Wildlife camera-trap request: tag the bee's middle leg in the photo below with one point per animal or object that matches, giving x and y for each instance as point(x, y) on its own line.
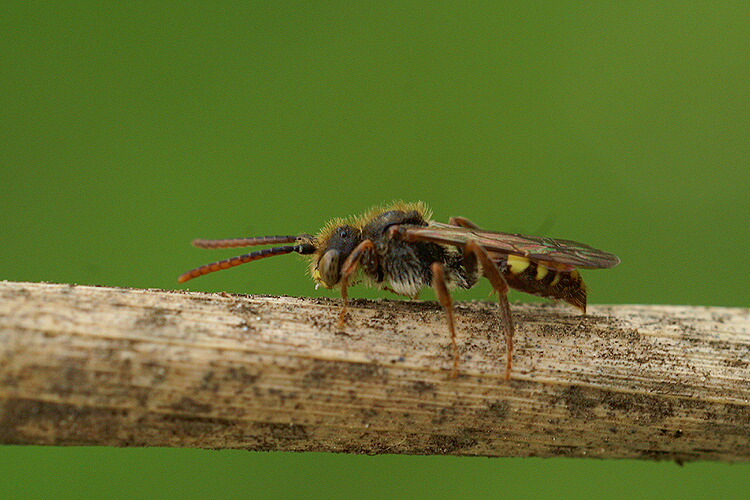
point(445, 299)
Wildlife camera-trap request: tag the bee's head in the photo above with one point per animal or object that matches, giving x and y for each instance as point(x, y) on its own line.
point(333, 248)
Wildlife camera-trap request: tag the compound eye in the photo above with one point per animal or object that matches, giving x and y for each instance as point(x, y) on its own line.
point(329, 268)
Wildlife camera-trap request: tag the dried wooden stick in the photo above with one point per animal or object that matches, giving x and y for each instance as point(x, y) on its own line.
point(83, 365)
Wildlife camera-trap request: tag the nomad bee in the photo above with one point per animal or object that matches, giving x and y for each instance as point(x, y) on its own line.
point(398, 248)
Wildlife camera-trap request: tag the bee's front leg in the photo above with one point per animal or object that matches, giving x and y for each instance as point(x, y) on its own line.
point(347, 270)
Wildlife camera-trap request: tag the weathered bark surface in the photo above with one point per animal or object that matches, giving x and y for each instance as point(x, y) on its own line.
point(84, 365)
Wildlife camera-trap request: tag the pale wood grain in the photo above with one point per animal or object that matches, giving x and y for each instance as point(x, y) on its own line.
point(84, 365)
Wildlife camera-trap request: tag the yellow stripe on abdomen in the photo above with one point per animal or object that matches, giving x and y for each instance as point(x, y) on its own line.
point(517, 264)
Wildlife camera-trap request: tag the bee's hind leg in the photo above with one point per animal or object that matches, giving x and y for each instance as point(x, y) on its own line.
point(473, 252)
point(462, 222)
point(445, 299)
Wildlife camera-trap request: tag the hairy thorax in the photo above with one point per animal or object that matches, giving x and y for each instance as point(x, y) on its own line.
point(403, 267)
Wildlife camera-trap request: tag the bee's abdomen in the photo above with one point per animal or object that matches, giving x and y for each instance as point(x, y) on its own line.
point(538, 279)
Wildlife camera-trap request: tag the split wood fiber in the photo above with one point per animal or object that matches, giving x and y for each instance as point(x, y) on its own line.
point(83, 365)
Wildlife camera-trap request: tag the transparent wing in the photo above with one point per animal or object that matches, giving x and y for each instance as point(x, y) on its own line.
point(565, 252)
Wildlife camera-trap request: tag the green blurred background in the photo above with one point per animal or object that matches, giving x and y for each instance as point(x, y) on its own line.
point(128, 130)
